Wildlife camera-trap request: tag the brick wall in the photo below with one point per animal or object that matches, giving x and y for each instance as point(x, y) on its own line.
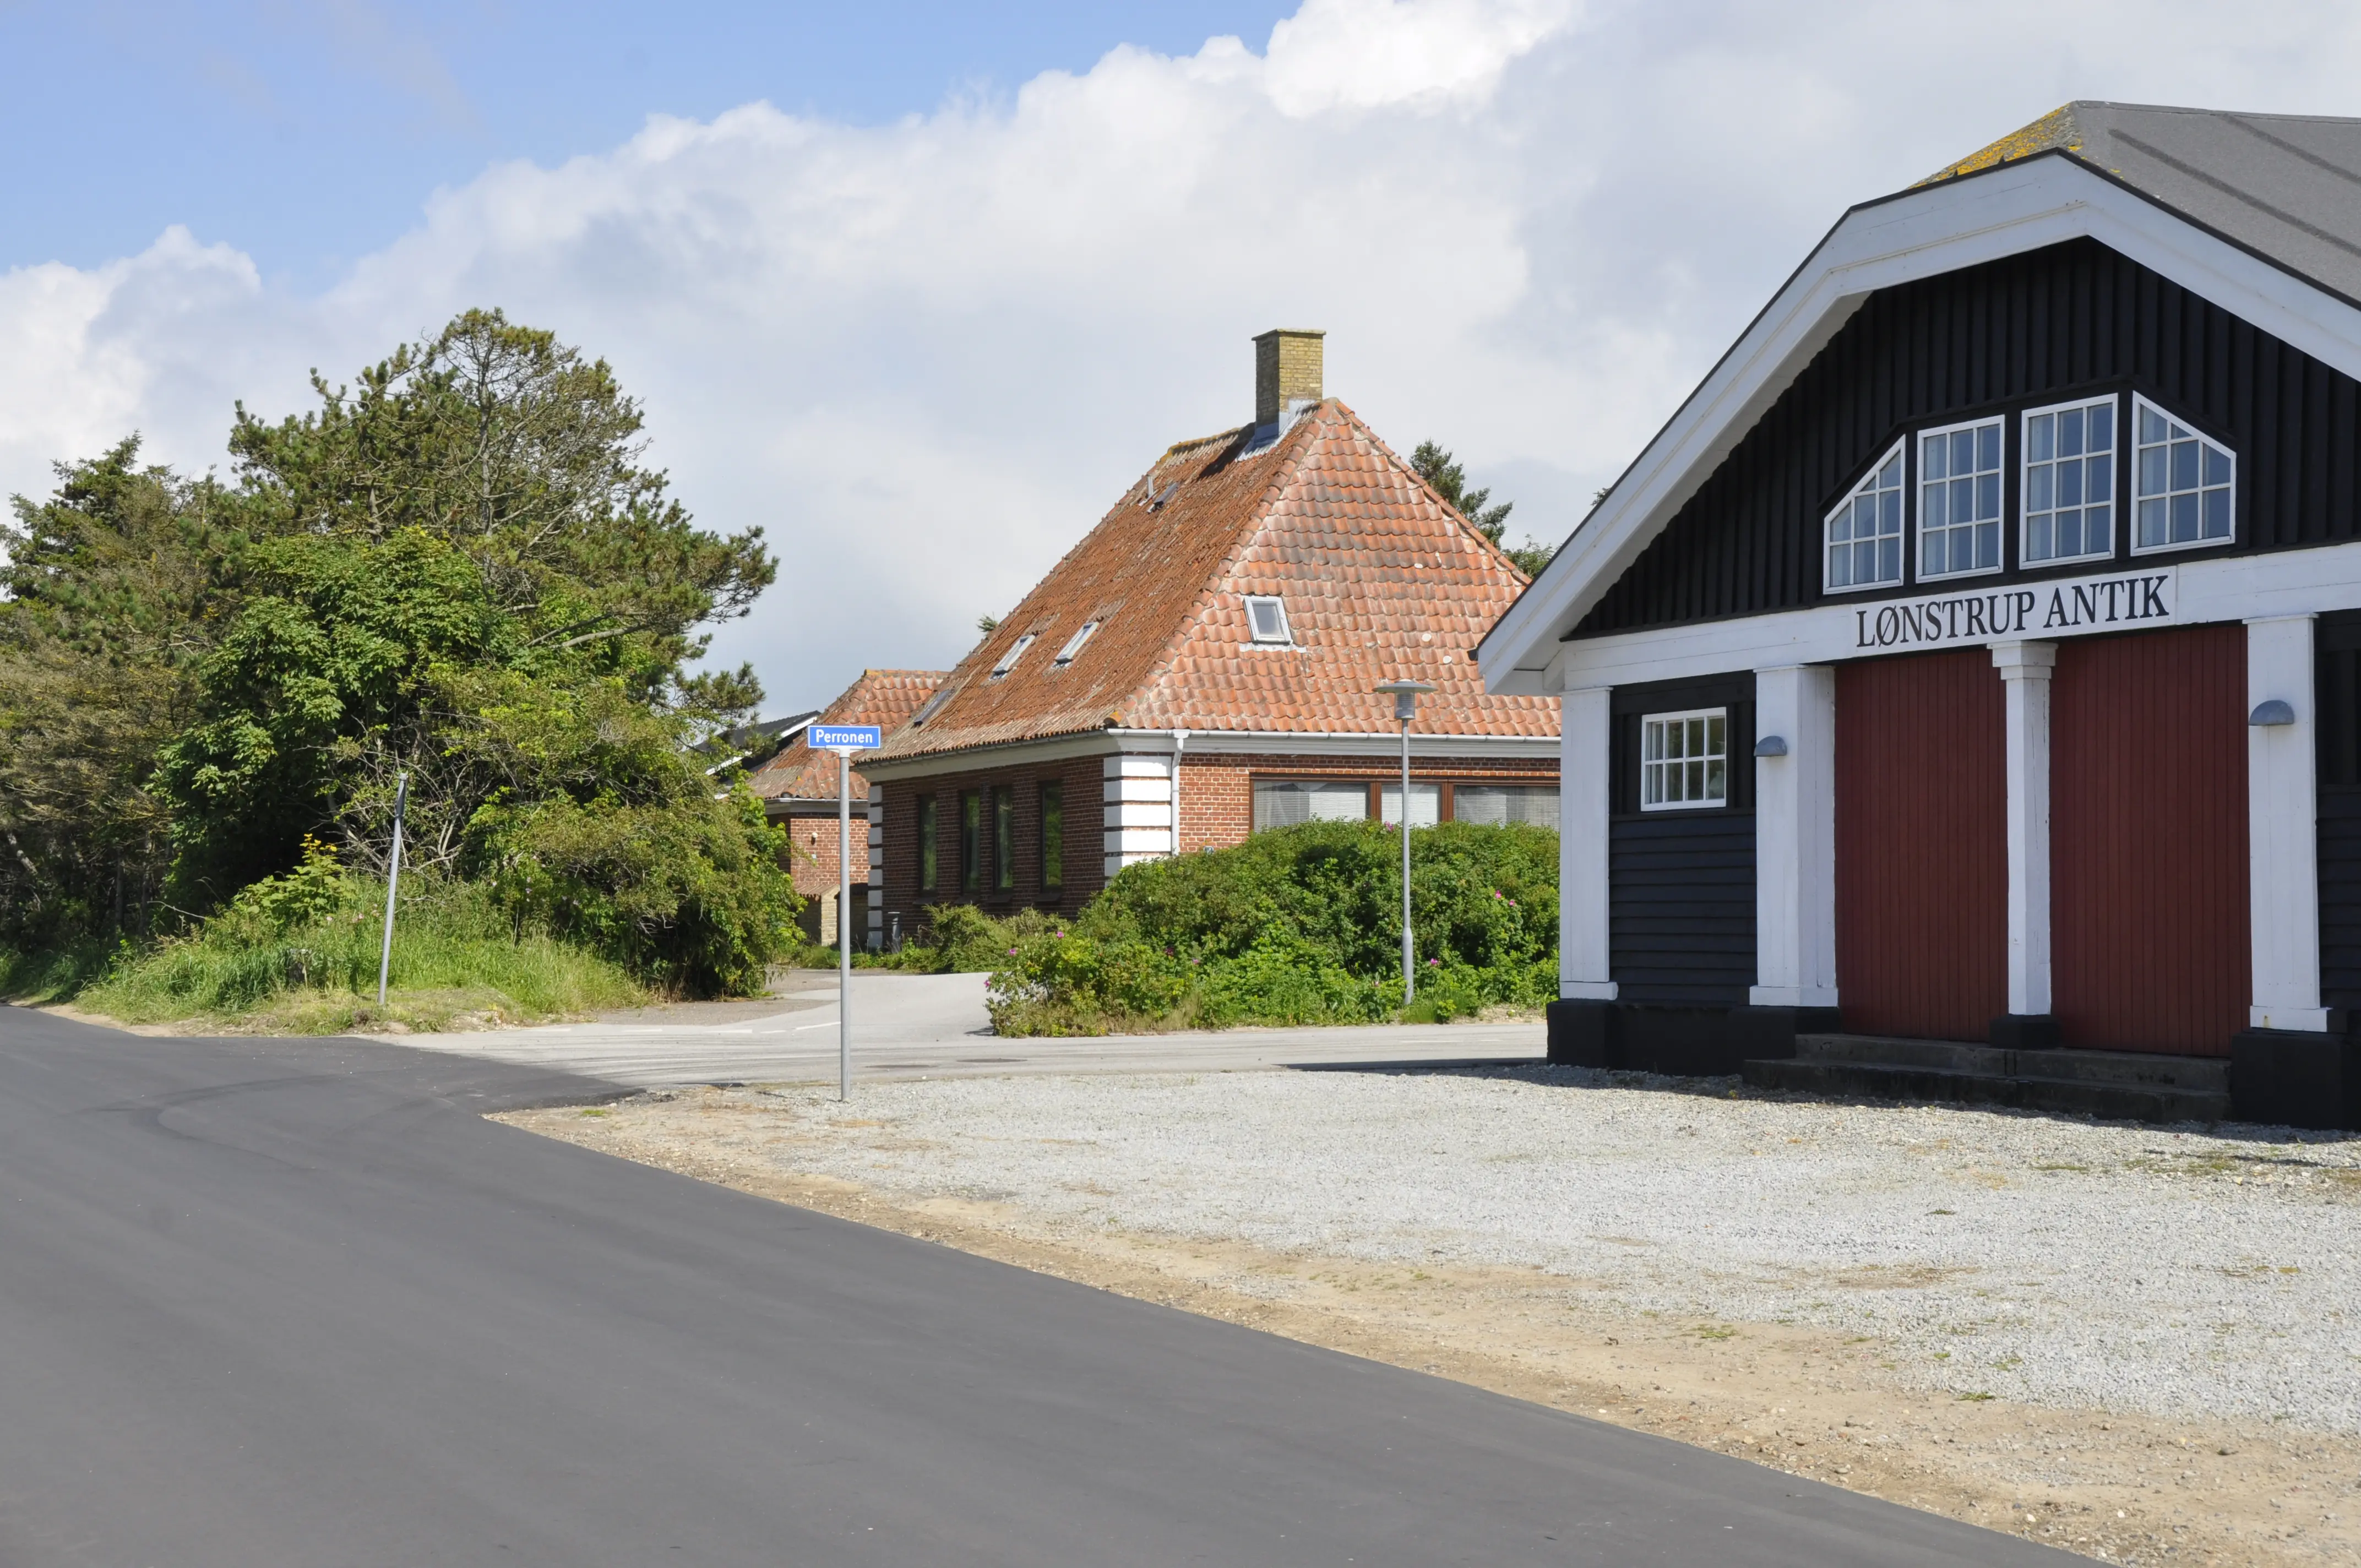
point(813, 857)
point(1217, 791)
point(1216, 811)
point(1079, 778)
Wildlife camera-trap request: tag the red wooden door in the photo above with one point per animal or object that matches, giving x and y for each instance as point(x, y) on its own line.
point(1922, 846)
point(2148, 840)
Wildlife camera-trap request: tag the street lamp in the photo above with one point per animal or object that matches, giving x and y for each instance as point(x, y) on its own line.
point(1406, 694)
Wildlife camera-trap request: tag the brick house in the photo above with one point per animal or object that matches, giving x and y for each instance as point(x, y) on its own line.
point(1200, 664)
point(798, 787)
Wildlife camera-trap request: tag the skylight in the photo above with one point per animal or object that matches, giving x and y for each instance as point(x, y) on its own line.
point(1016, 651)
point(1074, 645)
point(1266, 619)
point(942, 694)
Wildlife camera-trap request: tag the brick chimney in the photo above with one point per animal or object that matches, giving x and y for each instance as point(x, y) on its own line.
point(1287, 375)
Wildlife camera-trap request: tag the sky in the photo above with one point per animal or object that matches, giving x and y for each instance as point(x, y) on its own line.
point(920, 289)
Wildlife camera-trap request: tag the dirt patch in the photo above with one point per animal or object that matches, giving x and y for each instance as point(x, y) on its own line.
point(2121, 1488)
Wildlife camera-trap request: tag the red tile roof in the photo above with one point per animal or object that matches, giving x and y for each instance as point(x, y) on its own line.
point(1380, 578)
point(882, 697)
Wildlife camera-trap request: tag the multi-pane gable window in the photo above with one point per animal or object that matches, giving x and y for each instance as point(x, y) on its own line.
point(1958, 500)
point(1865, 533)
point(2181, 482)
point(1684, 760)
point(2069, 482)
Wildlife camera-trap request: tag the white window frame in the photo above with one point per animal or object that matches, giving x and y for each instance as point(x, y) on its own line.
point(1073, 645)
point(1016, 651)
point(2118, 515)
point(1898, 453)
point(1918, 487)
point(1701, 803)
point(2132, 500)
point(1278, 607)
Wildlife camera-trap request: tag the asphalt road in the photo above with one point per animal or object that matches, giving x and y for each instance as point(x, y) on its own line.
point(290, 1303)
point(935, 1025)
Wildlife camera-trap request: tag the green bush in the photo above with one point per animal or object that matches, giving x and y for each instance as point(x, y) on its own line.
point(1298, 926)
point(958, 938)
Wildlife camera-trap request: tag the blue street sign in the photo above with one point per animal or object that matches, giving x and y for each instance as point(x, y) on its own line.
point(845, 737)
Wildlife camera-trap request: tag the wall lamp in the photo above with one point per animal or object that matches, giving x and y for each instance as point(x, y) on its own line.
point(2271, 710)
point(1771, 746)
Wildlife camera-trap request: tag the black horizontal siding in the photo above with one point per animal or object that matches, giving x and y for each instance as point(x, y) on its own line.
point(1680, 884)
point(1681, 906)
point(2060, 322)
point(2338, 736)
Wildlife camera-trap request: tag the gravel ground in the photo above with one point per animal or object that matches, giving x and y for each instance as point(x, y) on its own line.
point(2175, 1271)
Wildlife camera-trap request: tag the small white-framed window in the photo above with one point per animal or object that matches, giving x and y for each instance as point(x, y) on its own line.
point(1864, 534)
point(2069, 483)
point(1016, 651)
point(1684, 760)
point(1266, 619)
point(1958, 499)
point(2182, 484)
point(1073, 645)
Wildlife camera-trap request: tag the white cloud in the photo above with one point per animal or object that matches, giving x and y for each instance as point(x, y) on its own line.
point(925, 356)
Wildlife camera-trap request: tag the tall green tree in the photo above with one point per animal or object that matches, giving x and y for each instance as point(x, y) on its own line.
point(114, 594)
point(458, 569)
point(1439, 468)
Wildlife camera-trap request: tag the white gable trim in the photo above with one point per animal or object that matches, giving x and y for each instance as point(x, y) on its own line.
point(1922, 233)
point(2146, 595)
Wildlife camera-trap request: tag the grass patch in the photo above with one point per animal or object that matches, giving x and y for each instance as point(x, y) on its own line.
point(298, 955)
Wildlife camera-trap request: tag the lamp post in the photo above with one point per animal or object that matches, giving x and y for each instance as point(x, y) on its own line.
point(1406, 694)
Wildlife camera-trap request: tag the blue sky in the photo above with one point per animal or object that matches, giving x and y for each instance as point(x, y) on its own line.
point(921, 289)
point(309, 133)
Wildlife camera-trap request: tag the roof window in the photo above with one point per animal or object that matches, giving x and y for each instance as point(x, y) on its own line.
point(1016, 651)
point(1266, 619)
point(1074, 645)
point(933, 704)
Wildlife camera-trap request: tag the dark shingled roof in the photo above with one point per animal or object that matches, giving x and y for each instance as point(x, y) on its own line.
point(2285, 186)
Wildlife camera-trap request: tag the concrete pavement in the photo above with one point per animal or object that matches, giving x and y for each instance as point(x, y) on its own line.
point(290, 1302)
point(911, 1026)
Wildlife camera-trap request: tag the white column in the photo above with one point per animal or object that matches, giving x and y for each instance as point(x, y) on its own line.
point(2283, 830)
point(1795, 839)
point(2026, 667)
point(1585, 776)
point(1137, 825)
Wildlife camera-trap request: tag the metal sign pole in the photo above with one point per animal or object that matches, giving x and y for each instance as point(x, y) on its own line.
point(393, 881)
point(844, 739)
point(844, 926)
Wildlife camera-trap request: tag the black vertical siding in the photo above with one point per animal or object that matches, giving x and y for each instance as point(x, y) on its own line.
point(2061, 321)
point(2337, 735)
point(1681, 883)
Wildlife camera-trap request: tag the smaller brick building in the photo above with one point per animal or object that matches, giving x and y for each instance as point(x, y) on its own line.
point(1201, 665)
point(799, 790)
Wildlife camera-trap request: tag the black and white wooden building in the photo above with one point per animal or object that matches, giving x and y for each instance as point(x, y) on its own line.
point(1976, 656)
